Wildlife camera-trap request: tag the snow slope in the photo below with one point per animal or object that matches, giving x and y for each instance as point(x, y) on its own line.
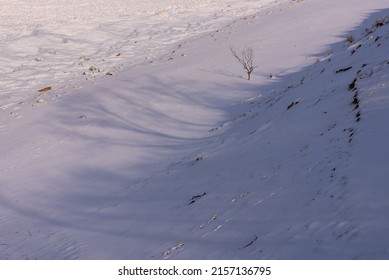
point(61, 45)
point(183, 158)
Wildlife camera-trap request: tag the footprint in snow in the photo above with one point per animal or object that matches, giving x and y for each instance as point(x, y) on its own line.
point(176, 248)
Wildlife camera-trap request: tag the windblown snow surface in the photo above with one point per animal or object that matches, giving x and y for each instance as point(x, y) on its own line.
point(128, 130)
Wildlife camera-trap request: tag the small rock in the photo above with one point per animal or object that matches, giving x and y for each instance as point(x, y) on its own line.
point(40, 101)
point(45, 89)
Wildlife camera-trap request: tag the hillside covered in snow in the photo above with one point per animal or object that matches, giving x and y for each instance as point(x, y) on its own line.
point(130, 131)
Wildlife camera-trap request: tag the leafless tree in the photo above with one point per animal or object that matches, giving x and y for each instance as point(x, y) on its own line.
point(246, 59)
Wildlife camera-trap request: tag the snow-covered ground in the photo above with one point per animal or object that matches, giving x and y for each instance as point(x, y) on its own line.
point(149, 143)
point(51, 43)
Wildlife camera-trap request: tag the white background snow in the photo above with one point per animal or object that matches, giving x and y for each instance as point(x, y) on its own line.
point(150, 143)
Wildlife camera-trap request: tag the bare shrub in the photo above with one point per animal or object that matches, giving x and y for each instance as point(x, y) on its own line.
point(350, 39)
point(380, 22)
point(246, 59)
